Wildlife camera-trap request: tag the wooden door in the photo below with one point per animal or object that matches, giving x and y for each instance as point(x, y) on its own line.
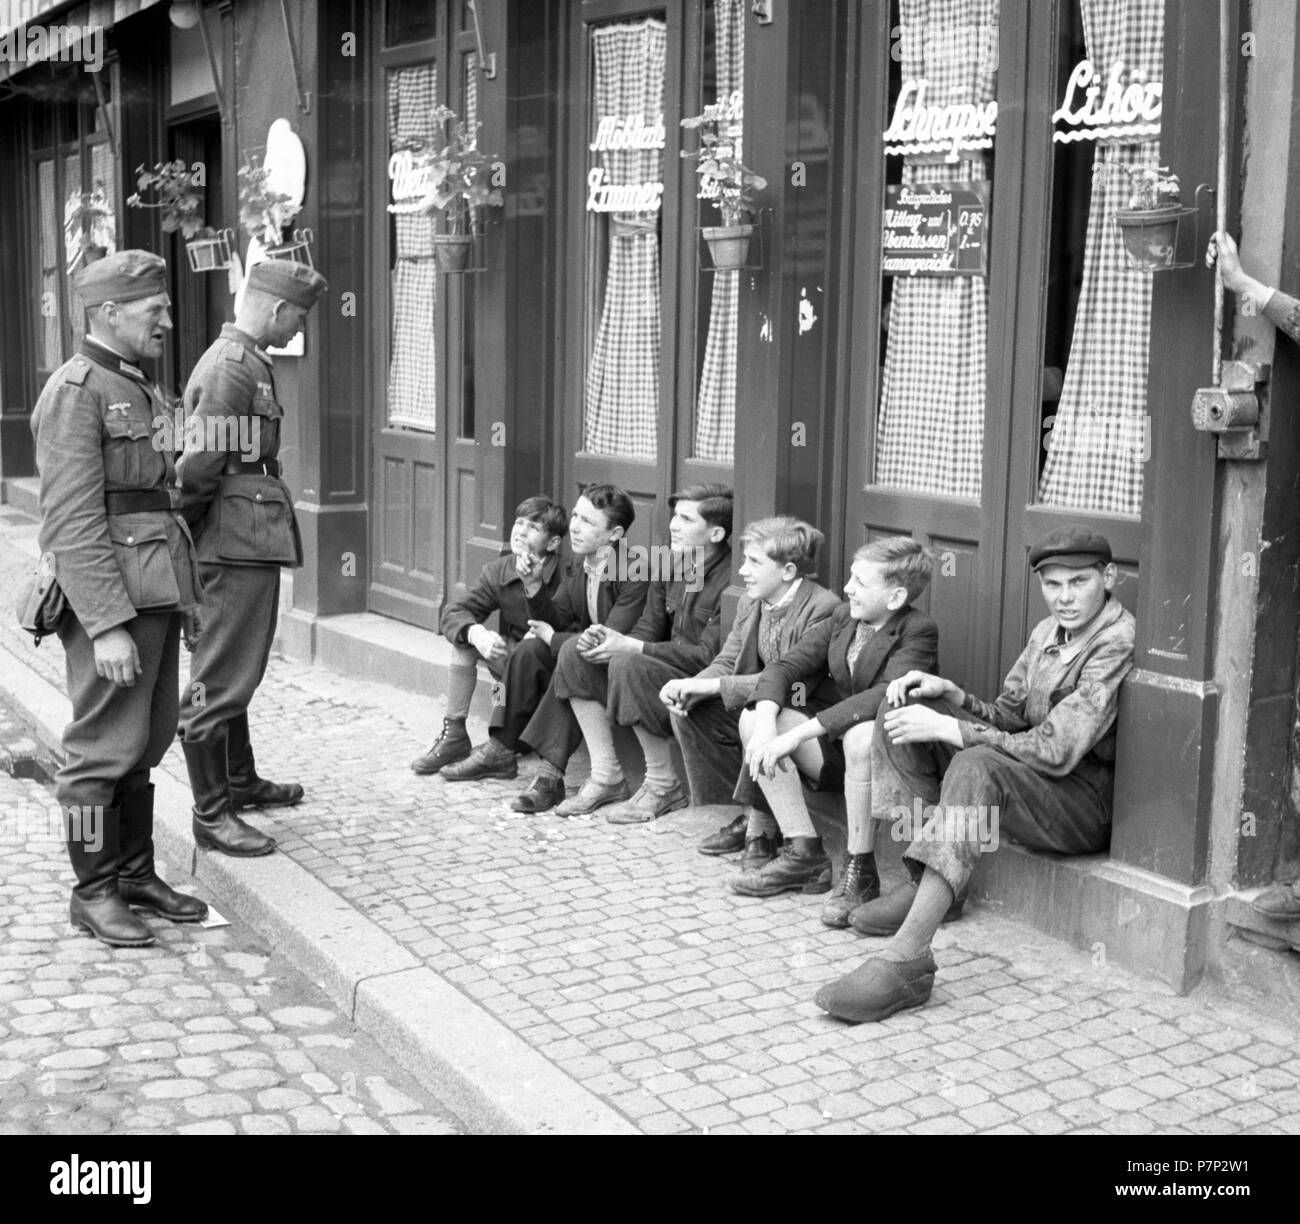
point(649, 386)
point(417, 417)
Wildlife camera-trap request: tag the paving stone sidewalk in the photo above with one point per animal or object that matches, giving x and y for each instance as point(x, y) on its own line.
point(206, 1033)
point(618, 954)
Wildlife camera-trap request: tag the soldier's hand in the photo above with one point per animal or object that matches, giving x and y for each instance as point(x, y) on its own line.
point(191, 626)
point(116, 657)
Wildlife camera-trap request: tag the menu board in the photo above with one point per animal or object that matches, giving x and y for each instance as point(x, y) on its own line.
point(936, 229)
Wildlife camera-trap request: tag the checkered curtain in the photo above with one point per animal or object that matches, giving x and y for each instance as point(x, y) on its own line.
point(622, 397)
point(715, 405)
point(930, 428)
point(1096, 447)
point(412, 369)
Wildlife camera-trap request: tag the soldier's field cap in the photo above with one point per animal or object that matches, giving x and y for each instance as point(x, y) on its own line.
point(1073, 546)
point(123, 276)
point(283, 278)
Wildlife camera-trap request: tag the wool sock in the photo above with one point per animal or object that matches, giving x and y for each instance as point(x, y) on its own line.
point(784, 794)
point(659, 773)
point(760, 823)
point(857, 802)
point(547, 770)
point(598, 731)
point(462, 678)
point(933, 898)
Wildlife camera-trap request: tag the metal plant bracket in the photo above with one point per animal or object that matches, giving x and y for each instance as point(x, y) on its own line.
point(304, 97)
point(487, 60)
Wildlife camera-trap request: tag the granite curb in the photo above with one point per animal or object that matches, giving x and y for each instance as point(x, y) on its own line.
point(492, 1079)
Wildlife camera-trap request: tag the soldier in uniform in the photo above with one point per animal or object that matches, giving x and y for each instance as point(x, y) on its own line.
point(245, 530)
point(124, 559)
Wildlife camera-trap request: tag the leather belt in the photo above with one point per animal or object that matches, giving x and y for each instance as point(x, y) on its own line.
point(137, 501)
point(263, 467)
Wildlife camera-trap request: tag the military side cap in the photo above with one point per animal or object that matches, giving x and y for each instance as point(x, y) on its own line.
point(123, 276)
point(1072, 546)
point(283, 278)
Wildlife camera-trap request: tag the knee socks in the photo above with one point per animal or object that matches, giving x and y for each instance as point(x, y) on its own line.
point(598, 731)
point(784, 795)
point(461, 681)
point(659, 773)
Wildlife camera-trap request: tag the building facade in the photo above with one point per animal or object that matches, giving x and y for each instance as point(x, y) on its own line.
point(936, 331)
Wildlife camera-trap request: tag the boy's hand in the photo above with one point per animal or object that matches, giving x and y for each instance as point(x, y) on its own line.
point(490, 645)
point(528, 565)
point(541, 629)
point(920, 685)
point(611, 643)
point(589, 639)
point(919, 724)
point(680, 695)
point(764, 759)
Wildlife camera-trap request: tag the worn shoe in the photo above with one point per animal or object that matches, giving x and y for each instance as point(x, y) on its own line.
point(649, 804)
point(799, 866)
point(543, 793)
point(451, 745)
point(859, 883)
point(885, 915)
point(1281, 902)
point(759, 851)
point(488, 760)
point(247, 790)
point(592, 795)
point(728, 839)
point(879, 988)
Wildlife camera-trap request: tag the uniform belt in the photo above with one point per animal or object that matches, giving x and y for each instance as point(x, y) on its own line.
point(263, 467)
point(136, 501)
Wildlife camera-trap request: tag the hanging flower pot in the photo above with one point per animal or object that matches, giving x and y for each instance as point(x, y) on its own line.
point(211, 252)
point(296, 251)
point(728, 245)
point(452, 251)
point(1150, 235)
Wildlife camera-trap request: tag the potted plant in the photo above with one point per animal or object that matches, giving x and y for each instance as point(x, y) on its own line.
point(1149, 225)
point(178, 194)
point(88, 226)
point(458, 179)
point(263, 211)
point(728, 182)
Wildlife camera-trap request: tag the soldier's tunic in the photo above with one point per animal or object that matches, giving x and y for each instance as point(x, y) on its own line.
point(244, 525)
point(123, 556)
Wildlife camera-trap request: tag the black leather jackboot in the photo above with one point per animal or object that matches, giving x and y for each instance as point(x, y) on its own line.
point(216, 827)
point(137, 878)
point(247, 790)
point(93, 848)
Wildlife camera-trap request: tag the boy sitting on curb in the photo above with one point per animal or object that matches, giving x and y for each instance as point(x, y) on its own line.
point(874, 639)
point(780, 606)
point(589, 593)
point(503, 586)
point(606, 675)
point(1041, 758)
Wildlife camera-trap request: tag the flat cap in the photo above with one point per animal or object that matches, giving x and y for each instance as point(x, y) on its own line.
point(1073, 546)
point(123, 276)
point(283, 278)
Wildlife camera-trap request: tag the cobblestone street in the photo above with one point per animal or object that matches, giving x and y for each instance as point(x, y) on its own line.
point(208, 1032)
point(617, 954)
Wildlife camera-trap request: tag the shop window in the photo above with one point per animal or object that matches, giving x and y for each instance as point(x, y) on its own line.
point(412, 363)
point(409, 21)
point(624, 217)
point(75, 206)
point(715, 401)
point(1095, 429)
point(930, 422)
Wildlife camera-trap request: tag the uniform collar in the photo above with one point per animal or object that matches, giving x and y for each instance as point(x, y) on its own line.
point(230, 332)
point(104, 355)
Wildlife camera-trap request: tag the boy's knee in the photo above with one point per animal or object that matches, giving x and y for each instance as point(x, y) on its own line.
point(857, 743)
point(464, 656)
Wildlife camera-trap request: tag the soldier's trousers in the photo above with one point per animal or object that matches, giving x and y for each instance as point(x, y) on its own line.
point(966, 801)
point(116, 732)
point(236, 628)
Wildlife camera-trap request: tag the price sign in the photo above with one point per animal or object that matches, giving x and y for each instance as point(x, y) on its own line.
point(936, 229)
